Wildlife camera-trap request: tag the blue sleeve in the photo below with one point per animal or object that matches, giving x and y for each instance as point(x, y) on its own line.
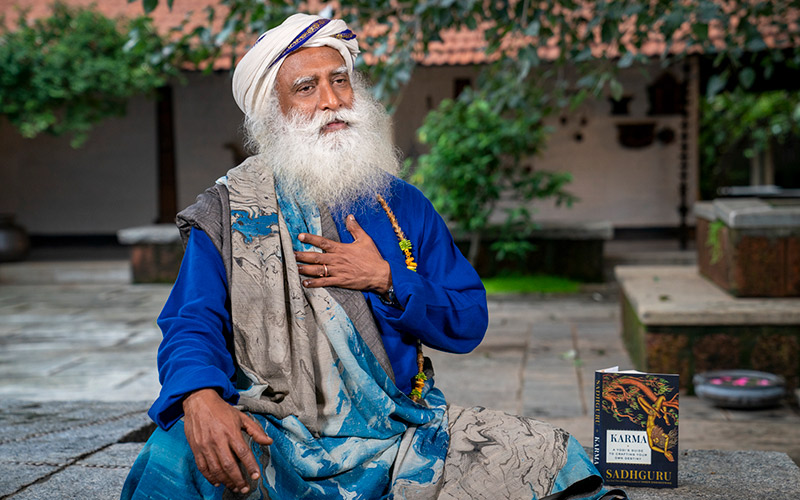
point(444, 302)
point(195, 352)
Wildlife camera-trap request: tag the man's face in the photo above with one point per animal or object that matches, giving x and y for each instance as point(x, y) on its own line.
point(314, 79)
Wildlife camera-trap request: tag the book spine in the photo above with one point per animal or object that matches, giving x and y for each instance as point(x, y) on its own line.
point(598, 408)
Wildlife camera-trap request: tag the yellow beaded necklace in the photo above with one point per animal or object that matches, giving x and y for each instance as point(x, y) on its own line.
point(405, 245)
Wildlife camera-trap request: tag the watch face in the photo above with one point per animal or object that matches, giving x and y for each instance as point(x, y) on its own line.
point(391, 298)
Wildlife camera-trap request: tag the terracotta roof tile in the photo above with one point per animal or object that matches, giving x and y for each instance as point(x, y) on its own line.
point(458, 47)
point(163, 17)
point(112, 8)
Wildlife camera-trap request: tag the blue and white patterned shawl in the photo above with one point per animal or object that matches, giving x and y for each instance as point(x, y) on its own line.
point(341, 428)
point(340, 425)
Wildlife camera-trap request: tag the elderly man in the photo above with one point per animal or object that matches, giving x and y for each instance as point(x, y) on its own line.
point(292, 364)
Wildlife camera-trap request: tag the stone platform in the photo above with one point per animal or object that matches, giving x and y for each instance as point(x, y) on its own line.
point(84, 449)
point(69, 449)
point(573, 250)
point(676, 321)
point(749, 246)
point(728, 475)
point(156, 252)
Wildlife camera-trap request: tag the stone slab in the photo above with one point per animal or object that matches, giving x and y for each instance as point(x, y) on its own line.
point(750, 213)
point(22, 420)
point(160, 234)
point(100, 477)
point(80, 342)
point(678, 295)
point(116, 456)
point(766, 264)
point(726, 475)
point(156, 263)
point(563, 230)
point(63, 449)
point(76, 437)
point(770, 191)
point(65, 272)
point(490, 379)
point(490, 376)
point(21, 473)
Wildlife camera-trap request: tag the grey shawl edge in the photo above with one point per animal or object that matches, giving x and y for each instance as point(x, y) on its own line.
point(208, 213)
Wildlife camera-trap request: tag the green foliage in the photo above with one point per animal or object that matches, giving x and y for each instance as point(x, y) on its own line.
point(203, 44)
point(595, 39)
point(713, 241)
point(530, 284)
point(67, 72)
point(476, 157)
point(753, 121)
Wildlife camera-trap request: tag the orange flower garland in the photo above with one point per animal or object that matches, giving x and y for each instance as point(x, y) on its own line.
point(405, 245)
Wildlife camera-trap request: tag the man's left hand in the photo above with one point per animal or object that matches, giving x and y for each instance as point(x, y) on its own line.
point(357, 265)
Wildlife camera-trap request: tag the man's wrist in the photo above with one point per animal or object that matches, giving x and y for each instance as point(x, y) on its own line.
point(198, 395)
point(385, 280)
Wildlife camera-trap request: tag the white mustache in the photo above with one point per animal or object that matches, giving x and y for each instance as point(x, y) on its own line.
point(317, 121)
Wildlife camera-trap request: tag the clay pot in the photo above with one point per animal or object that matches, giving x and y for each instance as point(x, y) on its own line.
point(14, 242)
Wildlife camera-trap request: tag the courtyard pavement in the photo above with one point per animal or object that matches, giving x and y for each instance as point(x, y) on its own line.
point(78, 371)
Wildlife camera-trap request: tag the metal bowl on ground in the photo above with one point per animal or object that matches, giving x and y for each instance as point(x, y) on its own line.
point(743, 389)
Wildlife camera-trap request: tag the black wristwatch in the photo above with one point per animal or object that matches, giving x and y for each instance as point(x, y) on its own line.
point(391, 299)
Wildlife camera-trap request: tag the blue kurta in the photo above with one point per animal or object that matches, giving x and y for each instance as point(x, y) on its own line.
point(443, 303)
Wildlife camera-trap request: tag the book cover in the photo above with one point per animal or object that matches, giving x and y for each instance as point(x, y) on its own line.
point(636, 428)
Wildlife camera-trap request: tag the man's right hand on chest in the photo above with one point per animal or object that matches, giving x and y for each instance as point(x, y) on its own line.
point(214, 432)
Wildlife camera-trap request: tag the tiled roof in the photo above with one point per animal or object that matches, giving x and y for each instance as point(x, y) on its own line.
point(458, 47)
point(112, 8)
point(163, 17)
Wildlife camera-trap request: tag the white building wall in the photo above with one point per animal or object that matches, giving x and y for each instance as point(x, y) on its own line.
point(111, 182)
point(206, 119)
point(628, 187)
point(107, 184)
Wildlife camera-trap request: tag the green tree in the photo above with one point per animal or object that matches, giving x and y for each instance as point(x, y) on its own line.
point(476, 156)
point(596, 39)
point(756, 122)
point(65, 73)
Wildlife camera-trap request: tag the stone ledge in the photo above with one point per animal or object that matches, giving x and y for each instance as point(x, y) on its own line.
point(679, 296)
point(674, 321)
point(727, 475)
point(156, 252)
point(572, 250)
point(112, 272)
point(551, 229)
point(559, 230)
point(741, 213)
point(156, 234)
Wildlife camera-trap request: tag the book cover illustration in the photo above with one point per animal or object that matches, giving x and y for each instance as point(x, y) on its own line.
point(636, 428)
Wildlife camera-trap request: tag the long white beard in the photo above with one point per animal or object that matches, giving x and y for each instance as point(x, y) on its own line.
point(335, 168)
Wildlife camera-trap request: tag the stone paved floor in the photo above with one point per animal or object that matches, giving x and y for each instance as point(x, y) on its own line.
point(68, 342)
point(97, 343)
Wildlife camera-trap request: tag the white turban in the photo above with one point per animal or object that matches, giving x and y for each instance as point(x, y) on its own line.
point(254, 77)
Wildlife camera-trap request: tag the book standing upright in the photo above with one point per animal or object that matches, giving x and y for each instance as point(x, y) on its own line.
point(636, 428)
